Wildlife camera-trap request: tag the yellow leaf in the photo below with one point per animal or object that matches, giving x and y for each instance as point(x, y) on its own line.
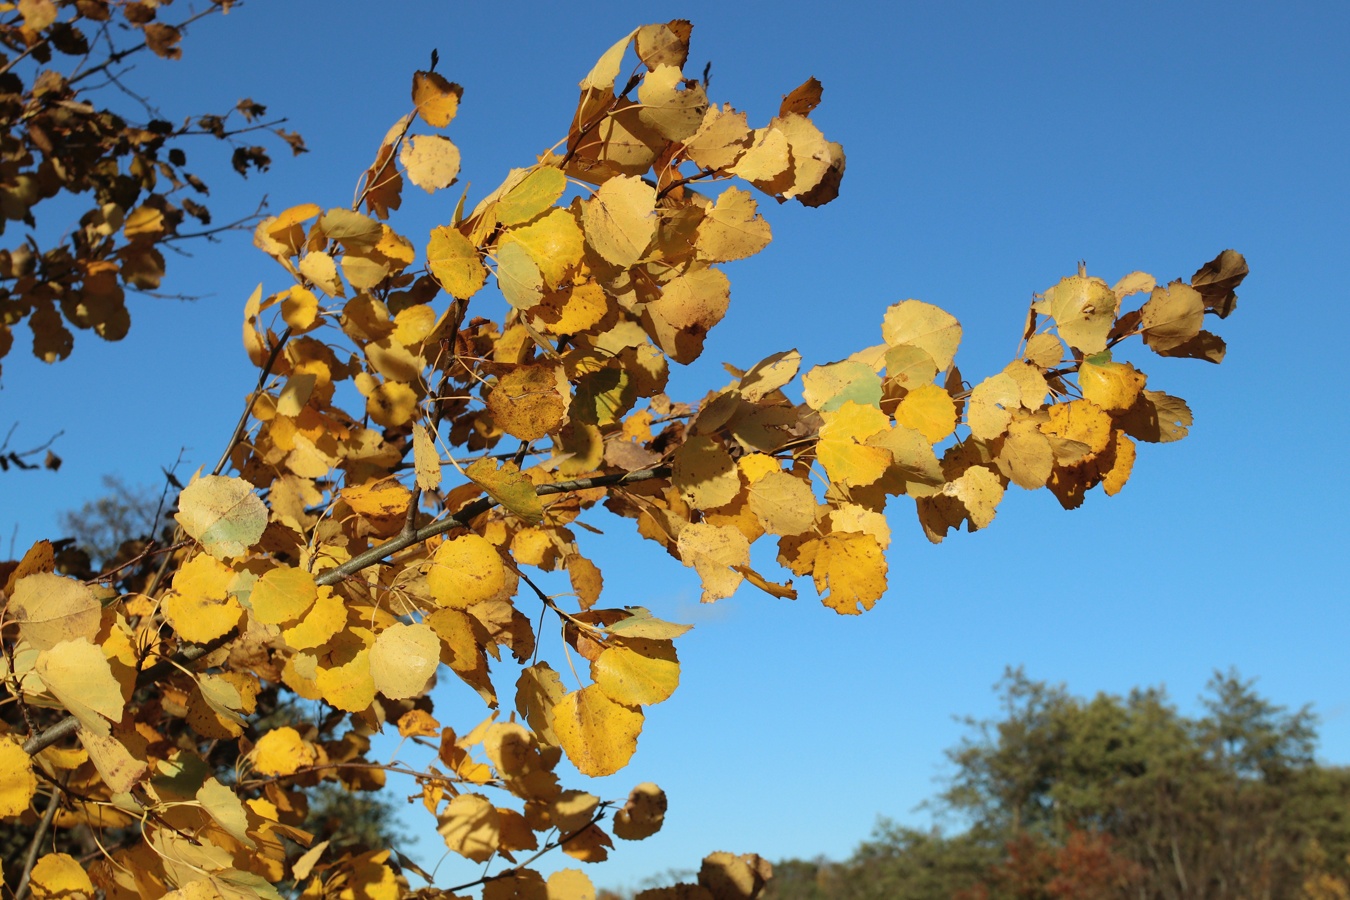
point(933, 330)
point(842, 450)
point(722, 137)
point(1045, 350)
point(57, 876)
point(509, 487)
point(283, 594)
point(1081, 421)
point(426, 459)
point(669, 104)
point(351, 229)
point(300, 309)
point(620, 219)
point(324, 619)
point(200, 607)
point(688, 307)
point(465, 571)
point(119, 770)
point(77, 673)
point(403, 659)
point(929, 410)
point(640, 623)
point(637, 672)
point(453, 261)
point(518, 276)
point(1157, 417)
point(991, 406)
point(538, 690)
point(528, 403)
point(598, 735)
point(850, 571)
point(18, 784)
point(554, 243)
point(281, 751)
point(769, 374)
point(1111, 385)
point(1026, 456)
point(972, 498)
point(436, 99)
point(321, 270)
point(713, 551)
point(535, 193)
point(828, 387)
point(570, 884)
point(1084, 309)
point(385, 498)
point(705, 473)
point(347, 684)
point(223, 514)
point(51, 608)
point(783, 503)
point(471, 827)
point(431, 161)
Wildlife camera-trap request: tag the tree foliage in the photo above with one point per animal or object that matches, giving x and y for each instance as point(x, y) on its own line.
point(1117, 797)
point(406, 462)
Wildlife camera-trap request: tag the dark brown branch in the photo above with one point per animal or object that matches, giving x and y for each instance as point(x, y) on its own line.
point(39, 835)
point(553, 845)
point(381, 552)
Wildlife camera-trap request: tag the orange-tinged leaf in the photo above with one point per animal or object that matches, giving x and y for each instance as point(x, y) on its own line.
point(929, 410)
point(453, 261)
point(381, 499)
point(705, 473)
point(281, 751)
point(223, 514)
point(77, 673)
point(51, 608)
point(620, 219)
point(637, 672)
point(436, 99)
point(1084, 309)
point(1172, 316)
point(283, 594)
point(403, 659)
point(933, 330)
point(1123, 455)
point(505, 483)
point(598, 735)
point(391, 404)
point(471, 827)
point(528, 402)
point(18, 784)
point(713, 551)
point(465, 571)
point(431, 161)
point(643, 815)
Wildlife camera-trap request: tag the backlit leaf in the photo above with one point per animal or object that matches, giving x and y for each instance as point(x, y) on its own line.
point(403, 659)
point(598, 735)
point(18, 784)
point(223, 514)
point(436, 99)
point(505, 484)
point(637, 672)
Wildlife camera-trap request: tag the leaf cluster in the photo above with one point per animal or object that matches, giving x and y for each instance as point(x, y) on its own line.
point(406, 463)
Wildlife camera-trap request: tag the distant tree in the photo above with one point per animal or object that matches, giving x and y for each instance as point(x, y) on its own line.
point(1117, 798)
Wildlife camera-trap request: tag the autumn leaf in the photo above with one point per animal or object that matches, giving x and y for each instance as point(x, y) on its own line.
point(18, 784)
point(637, 671)
point(403, 659)
point(598, 735)
point(506, 484)
point(223, 514)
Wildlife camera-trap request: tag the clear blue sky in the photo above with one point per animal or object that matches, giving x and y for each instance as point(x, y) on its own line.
point(990, 147)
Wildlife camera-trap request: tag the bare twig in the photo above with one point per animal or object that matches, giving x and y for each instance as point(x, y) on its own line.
point(34, 848)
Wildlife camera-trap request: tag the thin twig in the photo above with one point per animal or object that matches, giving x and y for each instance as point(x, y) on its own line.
point(553, 845)
point(253, 398)
point(380, 552)
point(40, 835)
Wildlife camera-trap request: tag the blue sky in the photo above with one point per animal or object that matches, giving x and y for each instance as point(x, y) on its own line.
point(990, 147)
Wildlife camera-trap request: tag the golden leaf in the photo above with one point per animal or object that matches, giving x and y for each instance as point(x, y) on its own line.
point(119, 770)
point(783, 503)
point(687, 309)
point(929, 410)
point(991, 404)
point(453, 261)
point(570, 884)
point(598, 735)
point(518, 276)
point(1045, 350)
point(643, 815)
point(470, 826)
point(671, 105)
point(1026, 456)
point(436, 99)
point(317, 626)
point(554, 242)
point(57, 876)
point(18, 784)
point(850, 572)
point(465, 571)
point(705, 473)
point(77, 673)
point(842, 448)
point(722, 137)
point(1084, 309)
point(1112, 386)
point(637, 672)
point(223, 514)
point(283, 594)
point(426, 459)
point(933, 330)
point(1172, 316)
point(535, 193)
point(200, 608)
point(281, 751)
point(527, 402)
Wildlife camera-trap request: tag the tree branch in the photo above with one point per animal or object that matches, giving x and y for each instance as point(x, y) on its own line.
point(39, 835)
